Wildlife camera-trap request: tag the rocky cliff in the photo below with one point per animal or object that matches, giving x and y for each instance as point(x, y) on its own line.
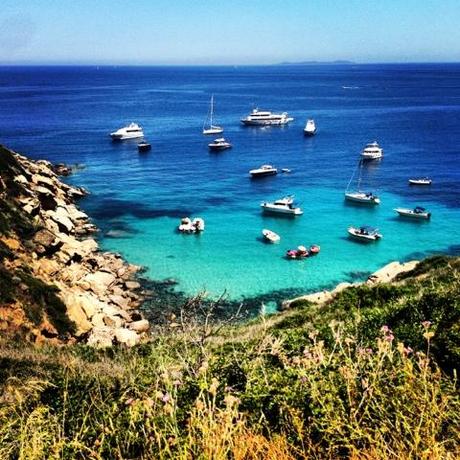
point(55, 283)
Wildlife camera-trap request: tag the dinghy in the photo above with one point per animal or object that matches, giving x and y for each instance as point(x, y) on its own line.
point(270, 236)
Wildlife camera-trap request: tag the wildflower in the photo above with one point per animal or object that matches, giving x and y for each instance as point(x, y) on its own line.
point(349, 341)
point(426, 324)
point(385, 329)
point(166, 397)
point(389, 337)
point(303, 379)
point(129, 402)
point(213, 387)
point(177, 383)
point(428, 335)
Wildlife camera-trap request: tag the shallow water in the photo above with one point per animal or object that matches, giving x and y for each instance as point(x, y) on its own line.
point(64, 114)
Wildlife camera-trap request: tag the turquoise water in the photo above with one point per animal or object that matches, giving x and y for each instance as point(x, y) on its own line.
point(413, 111)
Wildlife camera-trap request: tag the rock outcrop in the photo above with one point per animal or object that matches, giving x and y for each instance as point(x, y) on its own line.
point(99, 289)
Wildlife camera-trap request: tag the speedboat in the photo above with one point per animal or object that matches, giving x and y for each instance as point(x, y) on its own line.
point(372, 151)
point(144, 147)
point(265, 118)
point(420, 181)
point(362, 197)
point(264, 170)
point(282, 206)
point(302, 252)
point(365, 233)
point(286, 170)
point(270, 236)
point(310, 128)
point(418, 212)
point(219, 144)
point(132, 131)
point(188, 225)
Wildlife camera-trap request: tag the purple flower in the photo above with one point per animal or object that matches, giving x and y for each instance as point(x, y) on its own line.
point(166, 397)
point(426, 324)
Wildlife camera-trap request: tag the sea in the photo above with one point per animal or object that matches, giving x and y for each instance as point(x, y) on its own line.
point(65, 114)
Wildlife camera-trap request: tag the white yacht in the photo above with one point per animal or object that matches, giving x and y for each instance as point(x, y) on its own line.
point(365, 233)
point(264, 170)
point(420, 181)
point(219, 144)
point(372, 151)
point(266, 118)
point(282, 206)
point(132, 131)
point(417, 213)
point(310, 128)
point(209, 127)
point(362, 197)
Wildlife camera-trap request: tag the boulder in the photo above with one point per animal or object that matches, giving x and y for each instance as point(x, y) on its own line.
point(20, 179)
point(119, 300)
point(44, 181)
point(101, 337)
point(139, 326)
point(61, 217)
point(98, 320)
point(113, 321)
point(100, 281)
point(126, 336)
point(47, 240)
point(132, 285)
point(76, 313)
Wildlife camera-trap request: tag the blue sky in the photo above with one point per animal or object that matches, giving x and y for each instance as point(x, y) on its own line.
point(228, 31)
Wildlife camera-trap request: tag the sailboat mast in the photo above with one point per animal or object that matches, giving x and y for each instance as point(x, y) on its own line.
point(212, 109)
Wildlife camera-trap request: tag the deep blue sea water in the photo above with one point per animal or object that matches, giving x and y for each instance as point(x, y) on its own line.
point(413, 111)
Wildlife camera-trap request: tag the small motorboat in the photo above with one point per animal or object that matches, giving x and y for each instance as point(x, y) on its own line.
point(219, 144)
point(188, 225)
point(144, 147)
point(286, 170)
point(302, 252)
point(132, 131)
point(362, 197)
point(420, 181)
point(270, 236)
point(310, 128)
point(417, 213)
point(365, 233)
point(264, 170)
point(283, 205)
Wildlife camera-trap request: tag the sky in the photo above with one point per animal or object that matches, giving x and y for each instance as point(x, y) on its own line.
point(187, 32)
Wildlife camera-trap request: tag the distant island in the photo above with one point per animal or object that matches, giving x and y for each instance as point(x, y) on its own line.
point(338, 62)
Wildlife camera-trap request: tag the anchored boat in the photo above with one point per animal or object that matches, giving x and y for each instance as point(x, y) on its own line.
point(417, 213)
point(359, 196)
point(132, 131)
point(283, 205)
point(209, 127)
point(265, 118)
point(420, 181)
point(270, 236)
point(310, 128)
point(264, 170)
point(365, 233)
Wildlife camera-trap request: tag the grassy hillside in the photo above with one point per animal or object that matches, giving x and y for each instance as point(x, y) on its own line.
point(371, 375)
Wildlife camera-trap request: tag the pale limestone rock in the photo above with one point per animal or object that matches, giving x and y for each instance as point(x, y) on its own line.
point(76, 314)
point(126, 336)
point(113, 321)
point(101, 337)
point(20, 179)
point(100, 281)
point(140, 326)
point(98, 320)
point(132, 285)
point(122, 302)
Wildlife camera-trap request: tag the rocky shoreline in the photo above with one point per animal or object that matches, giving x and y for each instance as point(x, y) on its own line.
point(384, 275)
point(99, 289)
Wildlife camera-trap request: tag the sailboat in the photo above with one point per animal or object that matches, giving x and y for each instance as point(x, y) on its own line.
point(208, 127)
point(358, 196)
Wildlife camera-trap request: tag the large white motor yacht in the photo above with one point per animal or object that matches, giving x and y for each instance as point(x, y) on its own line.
point(372, 151)
point(132, 131)
point(282, 206)
point(266, 118)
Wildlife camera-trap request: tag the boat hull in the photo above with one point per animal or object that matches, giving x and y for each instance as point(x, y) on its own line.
point(309, 133)
point(418, 182)
point(279, 210)
point(144, 148)
point(413, 215)
point(266, 122)
point(123, 137)
point(362, 200)
point(213, 131)
point(362, 237)
point(216, 148)
point(263, 174)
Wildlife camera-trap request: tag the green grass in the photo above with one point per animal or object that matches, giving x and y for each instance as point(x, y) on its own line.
point(360, 378)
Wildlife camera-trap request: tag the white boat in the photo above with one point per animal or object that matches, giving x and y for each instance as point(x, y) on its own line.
point(417, 213)
point(132, 131)
point(284, 205)
point(362, 197)
point(270, 236)
point(219, 144)
point(310, 128)
point(365, 233)
point(188, 225)
point(264, 170)
point(265, 118)
point(372, 151)
point(420, 181)
point(358, 196)
point(208, 126)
